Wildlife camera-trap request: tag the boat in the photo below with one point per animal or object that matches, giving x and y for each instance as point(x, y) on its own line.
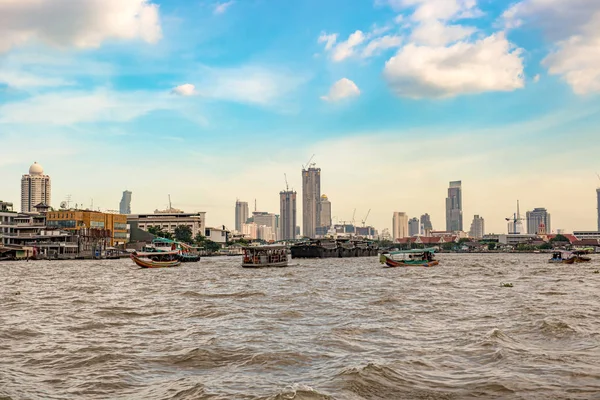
point(409, 258)
point(580, 256)
point(265, 256)
point(185, 252)
point(562, 257)
point(333, 248)
point(156, 259)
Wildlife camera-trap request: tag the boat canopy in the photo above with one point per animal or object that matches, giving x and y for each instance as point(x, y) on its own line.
point(414, 251)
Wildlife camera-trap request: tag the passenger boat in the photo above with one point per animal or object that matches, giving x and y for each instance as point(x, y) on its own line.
point(156, 259)
point(265, 256)
point(562, 257)
point(409, 258)
point(580, 256)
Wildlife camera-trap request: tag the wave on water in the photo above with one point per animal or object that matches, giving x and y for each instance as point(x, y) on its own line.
point(298, 392)
point(555, 328)
point(240, 295)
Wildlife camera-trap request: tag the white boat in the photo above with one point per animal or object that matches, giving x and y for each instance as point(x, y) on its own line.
point(265, 256)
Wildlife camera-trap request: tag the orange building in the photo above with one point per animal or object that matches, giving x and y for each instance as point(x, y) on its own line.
point(114, 225)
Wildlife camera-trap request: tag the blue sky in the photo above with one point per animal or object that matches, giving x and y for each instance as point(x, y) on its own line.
point(212, 101)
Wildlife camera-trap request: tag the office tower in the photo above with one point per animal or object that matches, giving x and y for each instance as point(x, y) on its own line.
point(241, 214)
point(125, 204)
point(311, 201)
point(414, 227)
point(399, 225)
point(477, 227)
point(325, 219)
point(287, 210)
point(454, 217)
point(537, 220)
point(35, 188)
point(426, 222)
point(598, 207)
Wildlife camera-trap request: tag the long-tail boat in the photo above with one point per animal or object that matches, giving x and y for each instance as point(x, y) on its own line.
point(562, 257)
point(409, 258)
point(158, 259)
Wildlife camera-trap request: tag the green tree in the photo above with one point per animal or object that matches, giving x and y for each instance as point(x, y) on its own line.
point(199, 239)
point(183, 233)
point(545, 246)
point(157, 231)
point(211, 246)
point(463, 240)
point(448, 246)
point(560, 238)
point(491, 246)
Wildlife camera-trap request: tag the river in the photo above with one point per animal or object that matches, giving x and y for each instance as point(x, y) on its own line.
point(318, 329)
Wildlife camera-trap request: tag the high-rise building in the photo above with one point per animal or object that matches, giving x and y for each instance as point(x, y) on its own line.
point(325, 219)
point(426, 223)
point(125, 204)
point(454, 216)
point(241, 214)
point(35, 188)
point(477, 227)
point(399, 225)
point(598, 196)
point(414, 227)
point(538, 220)
point(311, 201)
point(287, 210)
point(261, 218)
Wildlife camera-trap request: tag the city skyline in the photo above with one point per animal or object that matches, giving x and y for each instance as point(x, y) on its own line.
point(201, 90)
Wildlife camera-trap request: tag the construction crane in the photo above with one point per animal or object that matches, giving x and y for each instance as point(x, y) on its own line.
point(353, 215)
point(287, 188)
point(365, 219)
point(308, 164)
point(516, 218)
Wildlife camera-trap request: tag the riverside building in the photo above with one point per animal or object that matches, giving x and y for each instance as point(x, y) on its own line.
point(35, 188)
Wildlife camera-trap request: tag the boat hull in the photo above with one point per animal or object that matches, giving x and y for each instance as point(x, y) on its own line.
point(567, 261)
point(279, 264)
point(580, 259)
point(154, 264)
point(389, 263)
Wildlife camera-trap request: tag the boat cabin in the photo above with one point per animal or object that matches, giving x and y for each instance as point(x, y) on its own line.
point(265, 256)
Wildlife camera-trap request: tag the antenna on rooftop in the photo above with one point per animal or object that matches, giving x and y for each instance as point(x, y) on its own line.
point(255, 208)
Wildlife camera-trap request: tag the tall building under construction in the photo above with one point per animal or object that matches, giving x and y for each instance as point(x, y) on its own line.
point(311, 200)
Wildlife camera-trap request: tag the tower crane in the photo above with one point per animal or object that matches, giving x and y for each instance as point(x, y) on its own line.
point(365, 219)
point(308, 164)
point(287, 188)
point(353, 215)
point(516, 218)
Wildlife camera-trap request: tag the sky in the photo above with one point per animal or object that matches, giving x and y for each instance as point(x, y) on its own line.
point(210, 102)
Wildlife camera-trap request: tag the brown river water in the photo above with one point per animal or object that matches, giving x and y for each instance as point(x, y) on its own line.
point(318, 329)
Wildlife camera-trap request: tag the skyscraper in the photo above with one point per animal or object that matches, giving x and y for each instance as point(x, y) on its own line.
point(325, 219)
point(125, 204)
point(262, 218)
point(35, 188)
point(598, 196)
point(477, 227)
point(287, 207)
point(311, 201)
point(537, 218)
point(414, 227)
point(399, 225)
point(454, 217)
point(426, 223)
point(241, 214)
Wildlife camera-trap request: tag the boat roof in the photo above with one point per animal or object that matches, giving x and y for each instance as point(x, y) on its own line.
point(266, 247)
point(414, 251)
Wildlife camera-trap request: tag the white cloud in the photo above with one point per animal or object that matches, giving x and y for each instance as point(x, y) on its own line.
point(490, 64)
point(66, 108)
point(536, 78)
point(220, 8)
point(81, 24)
point(187, 89)
point(23, 80)
point(346, 49)
point(574, 26)
point(329, 40)
point(381, 43)
point(248, 84)
point(436, 33)
point(344, 88)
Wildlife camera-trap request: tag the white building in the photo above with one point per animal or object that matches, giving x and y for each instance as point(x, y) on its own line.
point(217, 235)
point(266, 233)
point(250, 231)
point(35, 188)
point(477, 227)
point(399, 225)
point(169, 221)
point(7, 221)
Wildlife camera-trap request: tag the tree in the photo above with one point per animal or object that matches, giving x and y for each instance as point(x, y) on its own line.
point(545, 246)
point(463, 240)
point(491, 246)
point(199, 239)
point(211, 246)
point(183, 233)
point(560, 238)
point(448, 246)
point(157, 231)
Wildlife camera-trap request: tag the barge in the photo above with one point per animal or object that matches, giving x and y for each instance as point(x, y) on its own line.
point(334, 248)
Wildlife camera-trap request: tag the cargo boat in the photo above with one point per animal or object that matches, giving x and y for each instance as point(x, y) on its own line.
point(333, 248)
